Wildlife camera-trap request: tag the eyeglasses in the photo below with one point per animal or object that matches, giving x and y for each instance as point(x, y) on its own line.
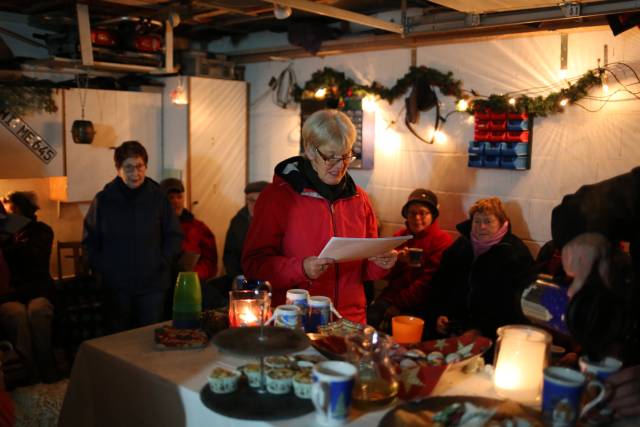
point(332, 161)
point(425, 212)
point(130, 168)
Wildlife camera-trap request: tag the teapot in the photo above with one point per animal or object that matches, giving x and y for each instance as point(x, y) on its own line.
point(376, 382)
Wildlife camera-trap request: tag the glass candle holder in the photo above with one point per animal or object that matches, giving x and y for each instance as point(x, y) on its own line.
point(522, 353)
point(248, 308)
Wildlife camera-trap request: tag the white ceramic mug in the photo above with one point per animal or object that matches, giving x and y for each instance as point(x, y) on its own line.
point(287, 316)
point(331, 391)
point(600, 370)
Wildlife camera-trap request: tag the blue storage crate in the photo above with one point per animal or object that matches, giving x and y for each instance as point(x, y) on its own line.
point(475, 161)
point(476, 147)
point(492, 148)
point(518, 125)
point(510, 149)
point(491, 161)
point(514, 162)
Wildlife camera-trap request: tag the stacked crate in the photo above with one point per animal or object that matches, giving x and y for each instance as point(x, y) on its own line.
point(501, 140)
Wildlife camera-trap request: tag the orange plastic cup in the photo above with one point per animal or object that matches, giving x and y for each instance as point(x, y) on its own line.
point(407, 329)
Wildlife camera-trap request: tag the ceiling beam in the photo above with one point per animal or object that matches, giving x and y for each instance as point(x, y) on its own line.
point(357, 44)
point(345, 15)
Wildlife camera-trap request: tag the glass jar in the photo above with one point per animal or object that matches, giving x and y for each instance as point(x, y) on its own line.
point(376, 382)
point(521, 354)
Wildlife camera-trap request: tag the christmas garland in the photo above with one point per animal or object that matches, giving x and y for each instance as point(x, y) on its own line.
point(339, 87)
point(24, 96)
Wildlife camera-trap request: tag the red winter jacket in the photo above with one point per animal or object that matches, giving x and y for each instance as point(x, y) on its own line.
point(289, 226)
point(407, 285)
point(198, 238)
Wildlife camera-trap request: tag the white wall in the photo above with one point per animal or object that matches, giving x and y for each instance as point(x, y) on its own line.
point(569, 149)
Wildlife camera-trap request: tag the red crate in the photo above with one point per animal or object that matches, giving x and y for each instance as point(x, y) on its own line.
point(498, 116)
point(497, 136)
point(498, 125)
point(517, 136)
point(481, 136)
point(482, 125)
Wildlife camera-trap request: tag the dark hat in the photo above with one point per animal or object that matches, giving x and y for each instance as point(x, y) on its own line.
point(255, 187)
point(170, 185)
point(425, 197)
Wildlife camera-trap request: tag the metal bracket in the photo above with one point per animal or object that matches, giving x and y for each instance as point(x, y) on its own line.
point(472, 19)
point(570, 9)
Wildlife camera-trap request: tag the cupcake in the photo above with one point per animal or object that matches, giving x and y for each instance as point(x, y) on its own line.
point(302, 382)
point(279, 380)
point(277, 361)
point(253, 373)
point(223, 381)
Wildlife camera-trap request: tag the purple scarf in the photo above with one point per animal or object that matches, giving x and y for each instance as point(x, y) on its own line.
point(482, 246)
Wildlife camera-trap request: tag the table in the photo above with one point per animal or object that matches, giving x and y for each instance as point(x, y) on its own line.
point(122, 380)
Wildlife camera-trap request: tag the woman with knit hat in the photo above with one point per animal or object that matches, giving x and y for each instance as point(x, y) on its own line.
point(418, 260)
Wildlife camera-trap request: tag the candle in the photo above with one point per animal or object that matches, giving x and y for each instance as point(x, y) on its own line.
point(248, 307)
point(521, 356)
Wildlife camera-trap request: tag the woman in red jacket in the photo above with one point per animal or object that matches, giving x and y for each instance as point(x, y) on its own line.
point(313, 198)
point(418, 260)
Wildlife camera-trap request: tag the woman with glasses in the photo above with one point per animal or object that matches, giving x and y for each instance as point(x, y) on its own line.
point(313, 198)
point(481, 275)
point(132, 235)
point(418, 260)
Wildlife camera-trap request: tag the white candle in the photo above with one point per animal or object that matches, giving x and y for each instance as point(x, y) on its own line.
point(522, 356)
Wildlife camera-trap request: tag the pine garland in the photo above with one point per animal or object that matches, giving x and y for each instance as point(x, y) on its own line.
point(340, 87)
point(24, 96)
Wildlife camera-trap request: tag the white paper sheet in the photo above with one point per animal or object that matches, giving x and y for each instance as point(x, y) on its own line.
point(348, 249)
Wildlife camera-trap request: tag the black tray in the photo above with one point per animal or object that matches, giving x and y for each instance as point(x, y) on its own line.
point(246, 342)
point(247, 404)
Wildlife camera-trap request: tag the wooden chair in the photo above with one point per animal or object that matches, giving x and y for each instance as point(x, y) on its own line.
point(80, 265)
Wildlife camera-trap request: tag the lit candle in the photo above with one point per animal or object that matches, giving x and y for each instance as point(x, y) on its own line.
point(248, 318)
point(521, 357)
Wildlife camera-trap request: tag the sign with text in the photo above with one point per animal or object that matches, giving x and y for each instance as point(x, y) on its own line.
point(29, 137)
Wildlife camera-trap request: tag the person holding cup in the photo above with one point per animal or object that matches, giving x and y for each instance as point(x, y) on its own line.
point(418, 260)
point(481, 275)
point(311, 199)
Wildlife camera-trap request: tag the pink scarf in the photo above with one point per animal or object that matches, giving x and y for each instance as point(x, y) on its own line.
point(482, 246)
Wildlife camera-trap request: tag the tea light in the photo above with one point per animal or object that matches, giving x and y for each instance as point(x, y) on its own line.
point(248, 308)
point(521, 356)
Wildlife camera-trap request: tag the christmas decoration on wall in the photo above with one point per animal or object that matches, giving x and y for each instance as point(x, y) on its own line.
point(24, 96)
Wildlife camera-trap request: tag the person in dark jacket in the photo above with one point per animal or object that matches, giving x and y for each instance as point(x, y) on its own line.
point(481, 275)
point(603, 313)
point(238, 228)
point(27, 316)
point(132, 236)
point(311, 199)
point(410, 278)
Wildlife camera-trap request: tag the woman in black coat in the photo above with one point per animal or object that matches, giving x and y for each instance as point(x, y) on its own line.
point(481, 275)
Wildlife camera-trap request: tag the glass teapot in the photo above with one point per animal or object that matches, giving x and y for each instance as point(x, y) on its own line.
point(376, 382)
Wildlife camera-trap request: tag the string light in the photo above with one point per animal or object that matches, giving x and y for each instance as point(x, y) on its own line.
point(462, 105)
point(321, 93)
point(564, 102)
point(512, 101)
point(605, 85)
point(439, 137)
point(369, 103)
point(179, 95)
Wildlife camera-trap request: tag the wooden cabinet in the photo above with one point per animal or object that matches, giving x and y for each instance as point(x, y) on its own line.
point(117, 116)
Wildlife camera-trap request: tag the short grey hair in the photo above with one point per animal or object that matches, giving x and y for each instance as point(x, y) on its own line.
point(328, 127)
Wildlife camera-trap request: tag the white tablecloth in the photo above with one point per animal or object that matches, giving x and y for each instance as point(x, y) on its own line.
point(122, 380)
